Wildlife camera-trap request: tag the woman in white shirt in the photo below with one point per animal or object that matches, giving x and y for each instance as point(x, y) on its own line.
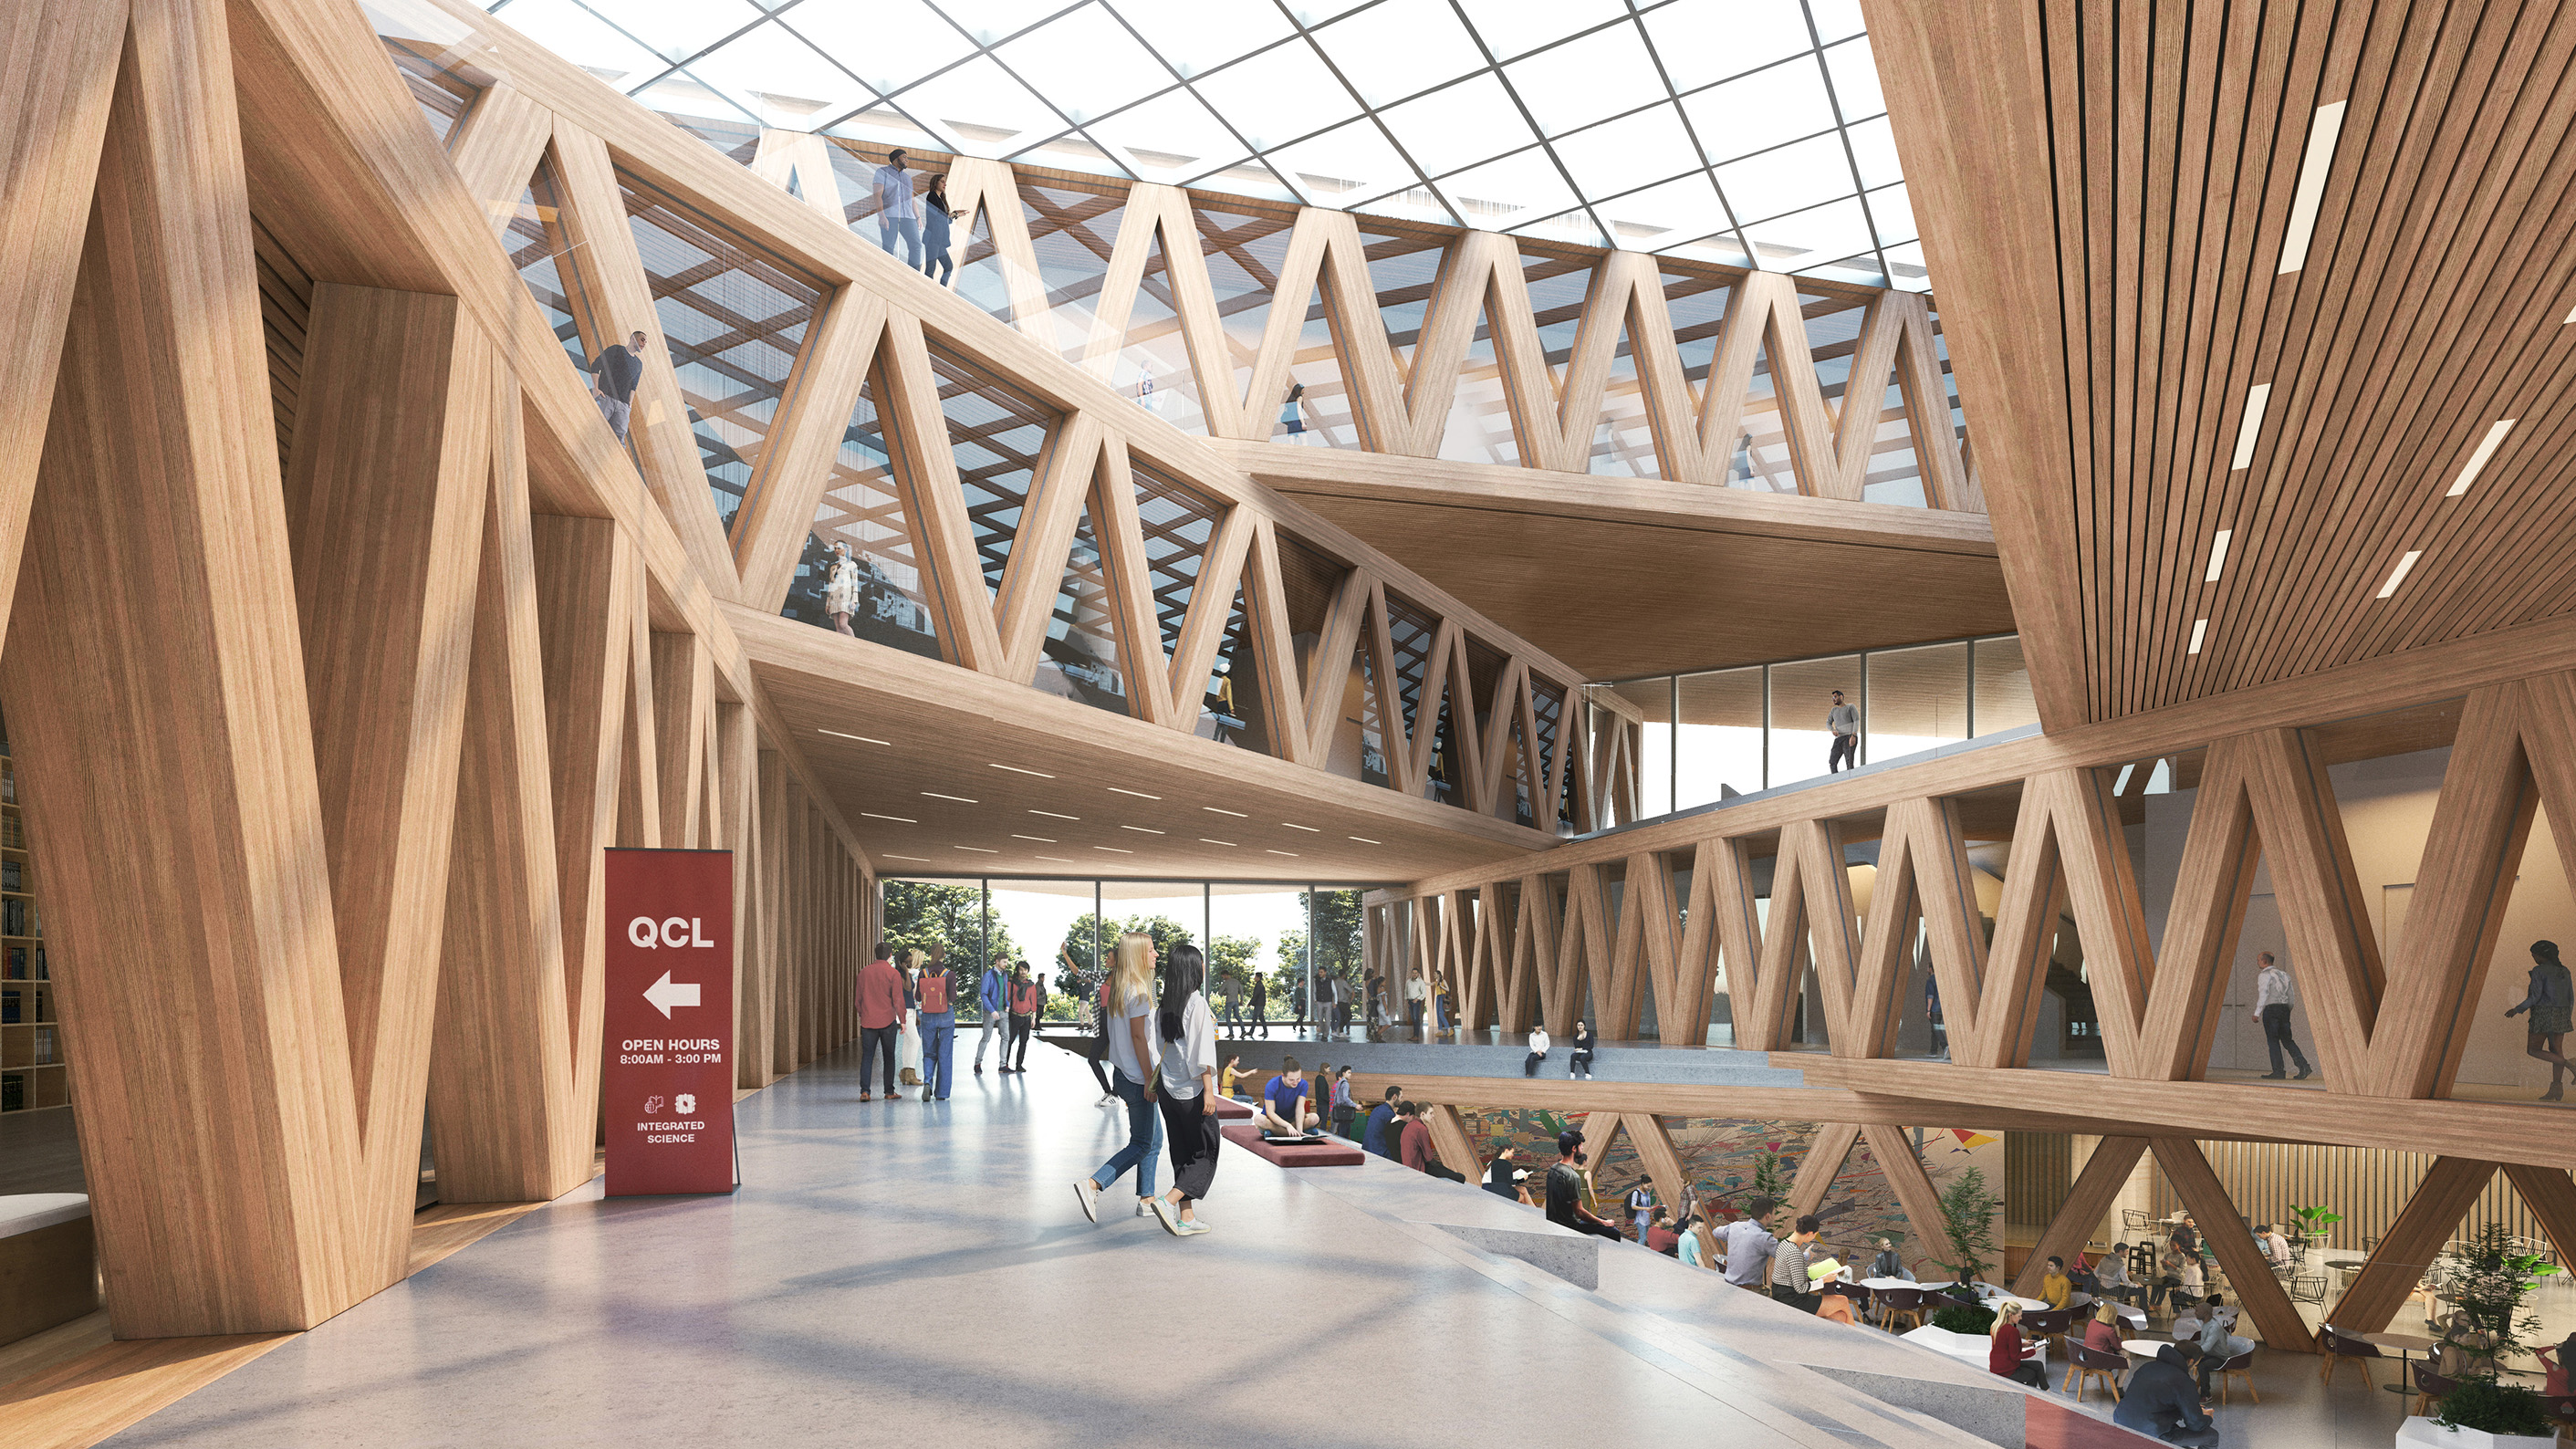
point(1128, 1023)
point(1187, 1030)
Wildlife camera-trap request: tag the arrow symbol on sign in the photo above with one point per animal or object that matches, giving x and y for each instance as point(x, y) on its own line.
point(667, 993)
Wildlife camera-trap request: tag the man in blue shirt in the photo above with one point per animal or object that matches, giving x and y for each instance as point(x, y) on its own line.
point(1284, 1101)
point(1381, 1122)
point(995, 997)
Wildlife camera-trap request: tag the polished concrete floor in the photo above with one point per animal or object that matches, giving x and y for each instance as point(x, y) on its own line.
point(903, 1273)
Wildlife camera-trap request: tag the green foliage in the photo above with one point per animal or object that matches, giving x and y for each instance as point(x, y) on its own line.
point(2315, 1223)
point(921, 914)
point(1771, 1176)
point(2495, 1408)
point(1231, 956)
point(1968, 1220)
point(1960, 1318)
point(2488, 1279)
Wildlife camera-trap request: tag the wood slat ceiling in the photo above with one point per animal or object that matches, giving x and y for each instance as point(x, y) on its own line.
point(2106, 207)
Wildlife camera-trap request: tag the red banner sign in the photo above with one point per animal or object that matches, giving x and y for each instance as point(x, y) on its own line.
point(668, 1084)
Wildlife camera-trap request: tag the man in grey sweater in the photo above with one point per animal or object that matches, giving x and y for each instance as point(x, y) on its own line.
point(1844, 721)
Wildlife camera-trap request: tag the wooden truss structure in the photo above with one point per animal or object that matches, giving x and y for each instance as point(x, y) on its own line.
point(1311, 621)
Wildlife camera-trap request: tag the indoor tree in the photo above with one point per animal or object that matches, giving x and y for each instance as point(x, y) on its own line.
point(1968, 1221)
point(2488, 1279)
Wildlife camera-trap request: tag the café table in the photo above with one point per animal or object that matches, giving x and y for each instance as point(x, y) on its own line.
point(2406, 1345)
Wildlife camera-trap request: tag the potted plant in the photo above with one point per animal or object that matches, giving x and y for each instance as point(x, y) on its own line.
point(2488, 1279)
point(2315, 1225)
point(1968, 1221)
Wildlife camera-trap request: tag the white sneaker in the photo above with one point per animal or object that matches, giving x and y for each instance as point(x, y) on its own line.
point(1089, 1193)
point(1171, 1220)
point(1144, 1206)
point(1189, 1229)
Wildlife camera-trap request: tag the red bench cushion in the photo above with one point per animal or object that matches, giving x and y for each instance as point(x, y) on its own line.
point(1233, 1110)
point(1333, 1153)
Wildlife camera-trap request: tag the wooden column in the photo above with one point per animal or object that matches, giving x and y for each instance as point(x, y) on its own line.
point(684, 692)
point(2551, 1196)
point(2260, 1294)
point(386, 488)
point(1914, 1192)
point(1449, 1138)
point(737, 770)
point(2393, 1269)
point(762, 973)
point(1823, 1163)
point(786, 1041)
point(156, 689)
point(503, 1124)
point(2095, 1189)
point(1663, 1161)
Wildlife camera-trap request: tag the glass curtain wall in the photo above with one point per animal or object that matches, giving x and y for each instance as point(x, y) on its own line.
point(1700, 738)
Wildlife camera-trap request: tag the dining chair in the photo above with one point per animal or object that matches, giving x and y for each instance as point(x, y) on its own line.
point(2083, 1365)
point(2239, 1367)
point(1896, 1303)
point(2429, 1386)
point(2561, 1409)
point(2339, 1346)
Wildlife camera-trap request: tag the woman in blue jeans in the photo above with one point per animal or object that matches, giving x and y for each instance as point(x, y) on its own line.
point(1127, 1023)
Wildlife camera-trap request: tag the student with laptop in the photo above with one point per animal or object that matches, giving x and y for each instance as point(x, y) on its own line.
point(1284, 1112)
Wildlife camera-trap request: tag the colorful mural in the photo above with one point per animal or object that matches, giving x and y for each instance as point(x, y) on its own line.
point(1732, 1160)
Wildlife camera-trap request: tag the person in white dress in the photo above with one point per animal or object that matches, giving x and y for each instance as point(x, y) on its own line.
point(841, 590)
point(907, 1045)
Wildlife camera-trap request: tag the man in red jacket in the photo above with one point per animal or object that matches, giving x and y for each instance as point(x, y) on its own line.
point(880, 1017)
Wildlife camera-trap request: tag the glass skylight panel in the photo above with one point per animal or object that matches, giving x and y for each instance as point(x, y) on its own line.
point(1500, 195)
point(1630, 152)
point(1458, 126)
point(1574, 228)
point(1172, 137)
point(1891, 214)
point(1398, 48)
point(1513, 28)
point(1789, 178)
point(679, 29)
point(989, 113)
point(788, 83)
point(1279, 95)
point(1311, 13)
point(1678, 210)
point(1704, 41)
point(1086, 62)
point(586, 40)
point(1765, 109)
point(1835, 19)
point(1193, 36)
point(1585, 80)
point(992, 20)
point(1905, 268)
point(1873, 145)
point(1855, 76)
point(887, 43)
point(1819, 234)
point(1350, 163)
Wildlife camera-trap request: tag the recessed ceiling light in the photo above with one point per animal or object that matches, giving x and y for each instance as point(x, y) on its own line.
point(1292, 855)
point(898, 819)
point(960, 799)
point(2398, 575)
point(1141, 830)
point(2322, 130)
point(2198, 628)
point(1309, 829)
point(1203, 840)
point(979, 849)
point(1113, 850)
point(1364, 840)
point(2478, 460)
point(1054, 816)
point(1237, 814)
point(862, 739)
point(1040, 839)
point(1016, 770)
point(2249, 432)
point(1139, 794)
point(925, 860)
point(2217, 555)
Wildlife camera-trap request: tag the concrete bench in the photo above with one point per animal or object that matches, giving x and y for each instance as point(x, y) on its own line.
point(48, 1262)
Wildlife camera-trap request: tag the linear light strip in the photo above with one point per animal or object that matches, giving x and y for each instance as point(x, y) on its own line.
point(2217, 555)
point(2313, 170)
point(1016, 770)
point(2478, 460)
point(2398, 575)
point(897, 819)
point(2199, 627)
point(2248, 433)
point(862, 739)
point(960, 799)
point(1139, 794)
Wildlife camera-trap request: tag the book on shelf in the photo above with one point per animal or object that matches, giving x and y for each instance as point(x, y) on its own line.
point(13, 875)
point(13, 964)
point(44, 1046)
point(40, 965)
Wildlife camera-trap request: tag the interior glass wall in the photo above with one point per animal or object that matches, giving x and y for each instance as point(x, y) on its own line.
point(1721, 739)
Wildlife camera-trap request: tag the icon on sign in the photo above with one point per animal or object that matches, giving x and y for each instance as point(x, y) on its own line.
point(652, 1106)
point(667, 993)
point(684, 1104)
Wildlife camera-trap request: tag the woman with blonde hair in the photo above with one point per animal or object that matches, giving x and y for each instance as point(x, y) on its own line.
point(2006, 1355)
point(2103, 1333)
point(1128, 1023)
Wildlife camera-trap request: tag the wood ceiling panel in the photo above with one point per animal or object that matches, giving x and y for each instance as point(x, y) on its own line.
point(2154, 153)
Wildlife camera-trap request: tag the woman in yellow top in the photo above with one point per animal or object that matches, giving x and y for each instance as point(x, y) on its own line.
point(1232, 1069)
point(2056, 1287)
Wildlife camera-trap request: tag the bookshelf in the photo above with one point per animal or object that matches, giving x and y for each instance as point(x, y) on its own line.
point(33, 1075)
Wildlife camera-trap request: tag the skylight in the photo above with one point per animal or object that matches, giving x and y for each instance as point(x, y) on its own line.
point(1743, 132)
